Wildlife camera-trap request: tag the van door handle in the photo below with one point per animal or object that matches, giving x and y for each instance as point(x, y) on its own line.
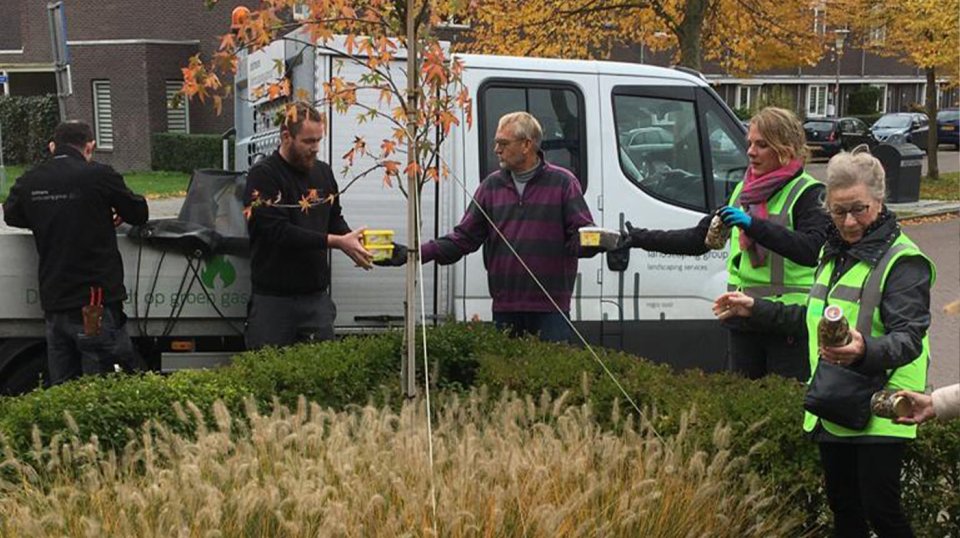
point(600, 276)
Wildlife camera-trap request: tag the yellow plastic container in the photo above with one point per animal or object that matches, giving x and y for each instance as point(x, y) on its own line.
point(375, 238)
point(594, 236)
point(381, 252)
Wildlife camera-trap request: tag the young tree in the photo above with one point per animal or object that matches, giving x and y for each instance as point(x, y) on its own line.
point(924, 33)
point(372, 34)
point(743, 36)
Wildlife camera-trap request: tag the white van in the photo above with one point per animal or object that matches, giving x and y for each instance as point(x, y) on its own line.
point(653, 146)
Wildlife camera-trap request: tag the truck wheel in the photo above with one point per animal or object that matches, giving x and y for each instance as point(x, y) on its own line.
point(25, 370)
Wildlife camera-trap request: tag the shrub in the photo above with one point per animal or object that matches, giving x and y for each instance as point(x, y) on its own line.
point(774, 95)
point(865, 100)
point(186, 152)
point(765, 415)
point(28, 124)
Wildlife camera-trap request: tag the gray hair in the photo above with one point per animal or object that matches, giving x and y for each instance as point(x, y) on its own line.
point(524, 125)
point(858, 167)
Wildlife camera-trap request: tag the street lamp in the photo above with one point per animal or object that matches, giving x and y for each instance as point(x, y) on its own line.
point(840, 35)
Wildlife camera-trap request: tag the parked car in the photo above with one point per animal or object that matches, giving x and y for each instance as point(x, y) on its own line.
point(948, 127)
point(909, 127)
point(827, 136)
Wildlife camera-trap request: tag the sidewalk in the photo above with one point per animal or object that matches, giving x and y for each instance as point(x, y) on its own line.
point(924, 208)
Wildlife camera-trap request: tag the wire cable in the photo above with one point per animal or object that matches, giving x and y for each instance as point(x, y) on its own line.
point(426, 368)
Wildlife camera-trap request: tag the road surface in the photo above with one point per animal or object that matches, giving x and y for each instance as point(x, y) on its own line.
point(941, 242)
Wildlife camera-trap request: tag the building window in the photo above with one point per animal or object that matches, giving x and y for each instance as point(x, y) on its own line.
point(178, 113)
point(102, 114)
point(820, 20)
point(878, 35)
point(817, 100)
point(882, 102)
point(747, 96)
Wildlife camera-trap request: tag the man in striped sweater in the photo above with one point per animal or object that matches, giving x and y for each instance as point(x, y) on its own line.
point(539, 208)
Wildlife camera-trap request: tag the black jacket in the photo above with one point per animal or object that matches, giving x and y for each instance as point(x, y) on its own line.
point(288, 245)
point(904, 307)
point(801, 245)
point(69, 203)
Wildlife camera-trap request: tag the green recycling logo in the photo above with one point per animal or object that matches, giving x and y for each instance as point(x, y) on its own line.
point(218, 267)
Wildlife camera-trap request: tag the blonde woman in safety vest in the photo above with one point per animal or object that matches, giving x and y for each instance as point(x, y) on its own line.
point(778, 228)
point(882, 281)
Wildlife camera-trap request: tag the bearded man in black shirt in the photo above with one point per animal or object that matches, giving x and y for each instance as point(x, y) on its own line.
point(294, 218)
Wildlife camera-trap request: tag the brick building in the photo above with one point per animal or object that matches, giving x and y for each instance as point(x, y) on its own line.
point(125, 60)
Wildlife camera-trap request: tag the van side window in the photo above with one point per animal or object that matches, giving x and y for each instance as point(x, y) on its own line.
point(728, 158)
point(659, 148)
point(558, 108)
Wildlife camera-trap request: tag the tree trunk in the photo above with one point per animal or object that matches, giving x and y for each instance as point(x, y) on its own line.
point(933, 170)
point(409, 370)
point(690, 32)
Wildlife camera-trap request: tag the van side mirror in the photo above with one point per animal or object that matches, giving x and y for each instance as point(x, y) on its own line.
point(618, 260)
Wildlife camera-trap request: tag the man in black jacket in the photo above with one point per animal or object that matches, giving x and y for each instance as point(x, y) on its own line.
point(72, 204)
point(294, 218)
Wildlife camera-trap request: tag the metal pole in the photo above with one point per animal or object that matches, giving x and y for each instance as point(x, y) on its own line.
point(836, 86)
point(3, 170)
point(408, 371)
point(839, 35)
point(58, 45)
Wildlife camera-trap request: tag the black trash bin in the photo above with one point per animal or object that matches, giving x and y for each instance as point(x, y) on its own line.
point(902, 164)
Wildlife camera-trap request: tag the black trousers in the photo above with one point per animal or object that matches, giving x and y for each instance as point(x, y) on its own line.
point(282, 321)
point(756, 354)
point(863, 489)
point(70, 353)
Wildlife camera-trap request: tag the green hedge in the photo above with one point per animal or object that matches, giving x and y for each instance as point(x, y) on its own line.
point(28, 124)
point(766, 414)
point(187, 152)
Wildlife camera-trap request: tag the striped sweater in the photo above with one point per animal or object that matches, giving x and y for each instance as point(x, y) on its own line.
point(542, 225)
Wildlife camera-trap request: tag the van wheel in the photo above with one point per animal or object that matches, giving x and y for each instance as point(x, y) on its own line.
point(26, 372)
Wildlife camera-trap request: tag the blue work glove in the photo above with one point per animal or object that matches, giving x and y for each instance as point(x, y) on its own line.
point(733, 216)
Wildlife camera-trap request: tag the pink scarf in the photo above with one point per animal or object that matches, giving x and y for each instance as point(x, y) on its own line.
point(753, 197)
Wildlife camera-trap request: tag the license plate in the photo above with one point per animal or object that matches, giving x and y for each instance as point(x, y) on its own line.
point(948, 127)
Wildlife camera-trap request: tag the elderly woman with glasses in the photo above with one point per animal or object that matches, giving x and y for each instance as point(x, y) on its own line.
point(881, 281)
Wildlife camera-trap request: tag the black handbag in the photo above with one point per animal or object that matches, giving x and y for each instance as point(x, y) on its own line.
point(842, 395)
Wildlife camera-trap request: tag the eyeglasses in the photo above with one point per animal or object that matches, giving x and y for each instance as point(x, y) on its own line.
point(857, 211)
point(503, 142)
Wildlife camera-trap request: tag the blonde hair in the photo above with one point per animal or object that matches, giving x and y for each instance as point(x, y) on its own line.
point(783, 132)
point(855, 168)
point(524, 125)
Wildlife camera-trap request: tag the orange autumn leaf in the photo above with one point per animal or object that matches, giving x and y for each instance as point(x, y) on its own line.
point(388, 147)
point(304, 204)
point(392, 167)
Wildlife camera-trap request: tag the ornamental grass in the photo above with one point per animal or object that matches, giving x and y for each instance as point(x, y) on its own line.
point(503, 465)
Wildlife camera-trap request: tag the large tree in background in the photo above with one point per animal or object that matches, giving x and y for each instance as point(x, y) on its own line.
point(743, 36)
point(924, 33)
